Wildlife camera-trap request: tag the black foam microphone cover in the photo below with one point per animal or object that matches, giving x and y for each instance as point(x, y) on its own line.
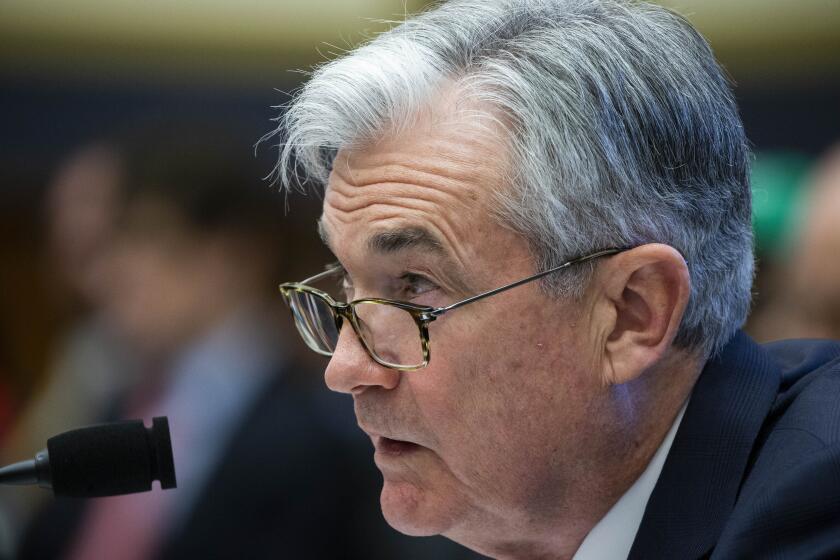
point(111, 459)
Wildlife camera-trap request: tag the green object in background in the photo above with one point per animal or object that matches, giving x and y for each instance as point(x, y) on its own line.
point(777, 179)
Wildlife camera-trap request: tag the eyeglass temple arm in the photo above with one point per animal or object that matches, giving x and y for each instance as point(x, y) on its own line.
point(441, 310)
point(321, 275)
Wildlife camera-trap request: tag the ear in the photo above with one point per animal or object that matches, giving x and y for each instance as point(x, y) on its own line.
point(640, 299)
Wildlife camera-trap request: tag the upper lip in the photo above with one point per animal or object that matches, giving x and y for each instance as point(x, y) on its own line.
point(374, 434)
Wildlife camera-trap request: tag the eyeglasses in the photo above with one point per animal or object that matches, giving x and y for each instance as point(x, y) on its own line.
point(394, 333)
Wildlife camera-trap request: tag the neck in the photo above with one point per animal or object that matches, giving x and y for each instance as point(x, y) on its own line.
point(631, 420)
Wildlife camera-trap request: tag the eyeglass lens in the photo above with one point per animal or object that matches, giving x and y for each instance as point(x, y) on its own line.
point(315, 322)
point(390, 333)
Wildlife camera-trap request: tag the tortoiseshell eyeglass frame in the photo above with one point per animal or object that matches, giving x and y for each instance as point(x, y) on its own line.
point(422, 314)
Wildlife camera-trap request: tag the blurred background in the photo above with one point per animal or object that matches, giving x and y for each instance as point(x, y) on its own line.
point(98, 272)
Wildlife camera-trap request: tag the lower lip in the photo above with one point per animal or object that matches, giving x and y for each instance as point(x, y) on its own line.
point(395, 447)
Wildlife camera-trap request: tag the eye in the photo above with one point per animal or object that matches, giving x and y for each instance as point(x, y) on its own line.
point(414, 285)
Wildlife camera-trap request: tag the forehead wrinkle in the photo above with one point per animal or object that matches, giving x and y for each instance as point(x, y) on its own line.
point(345, 201)
point(396, 165)
point(397, 180)
point(398, 199)
point(411, 197)
point(428, 199)
point(415, 194)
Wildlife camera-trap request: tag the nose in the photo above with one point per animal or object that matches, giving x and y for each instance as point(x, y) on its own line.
point(351, 369)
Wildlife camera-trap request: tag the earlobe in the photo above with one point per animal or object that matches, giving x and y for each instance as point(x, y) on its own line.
point(644, 292)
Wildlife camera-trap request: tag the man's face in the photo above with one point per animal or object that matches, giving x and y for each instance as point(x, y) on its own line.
point(489, 435)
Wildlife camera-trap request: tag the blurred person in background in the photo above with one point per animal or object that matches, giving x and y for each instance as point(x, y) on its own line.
point(89, 367)
point(815, 258)
point(264, 463)
point(806, 300)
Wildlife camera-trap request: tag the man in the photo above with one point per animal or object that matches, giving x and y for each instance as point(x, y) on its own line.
point(587, 157)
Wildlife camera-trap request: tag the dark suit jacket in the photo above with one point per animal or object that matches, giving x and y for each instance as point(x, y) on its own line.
point(754, 470)
point(296, 482)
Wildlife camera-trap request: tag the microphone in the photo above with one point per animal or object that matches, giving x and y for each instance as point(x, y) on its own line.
point(104, 460)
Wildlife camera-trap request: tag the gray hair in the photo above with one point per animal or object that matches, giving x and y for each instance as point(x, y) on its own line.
point(623, 131)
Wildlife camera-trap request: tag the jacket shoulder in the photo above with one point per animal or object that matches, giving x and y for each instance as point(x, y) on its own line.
point(809, 393)
point(789, 502)
point(793, 514)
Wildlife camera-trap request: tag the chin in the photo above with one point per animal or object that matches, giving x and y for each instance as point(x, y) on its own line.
point(415, 511)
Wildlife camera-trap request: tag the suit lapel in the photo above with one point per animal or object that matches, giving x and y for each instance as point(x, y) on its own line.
point(699, 483)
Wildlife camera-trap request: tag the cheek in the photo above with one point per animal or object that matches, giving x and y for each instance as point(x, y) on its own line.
point(505, 400)
point(500, 417)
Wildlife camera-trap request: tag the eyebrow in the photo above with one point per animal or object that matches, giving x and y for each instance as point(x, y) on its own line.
point(394, 240)
point(411, 238)
point(402, 239)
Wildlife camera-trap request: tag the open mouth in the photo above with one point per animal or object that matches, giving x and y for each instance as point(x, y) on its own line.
point(388, 446)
